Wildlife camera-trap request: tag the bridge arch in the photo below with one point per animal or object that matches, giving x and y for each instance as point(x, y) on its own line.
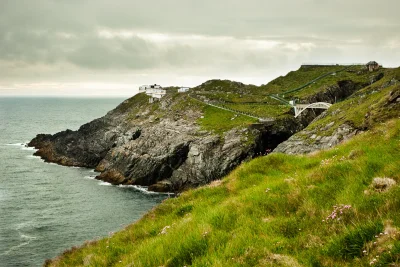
point(299, 108)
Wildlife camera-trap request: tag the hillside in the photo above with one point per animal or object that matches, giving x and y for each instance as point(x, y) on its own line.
point(187, 140)
point(335, 207)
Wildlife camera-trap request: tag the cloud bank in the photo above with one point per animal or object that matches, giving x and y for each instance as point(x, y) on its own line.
point(99, 47)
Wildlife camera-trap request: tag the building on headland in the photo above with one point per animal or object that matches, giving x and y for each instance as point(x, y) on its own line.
point(155, 92)
point(183, 89)
point(372, 66)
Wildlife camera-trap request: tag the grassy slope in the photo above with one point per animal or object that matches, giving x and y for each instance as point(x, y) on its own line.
point(273, 211)
point(234, 95)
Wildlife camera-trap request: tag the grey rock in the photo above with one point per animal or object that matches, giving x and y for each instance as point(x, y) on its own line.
point(297, 144)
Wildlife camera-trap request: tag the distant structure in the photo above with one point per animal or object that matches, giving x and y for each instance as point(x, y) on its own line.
point(372, 66)
point(183, 89)
point(155, 92)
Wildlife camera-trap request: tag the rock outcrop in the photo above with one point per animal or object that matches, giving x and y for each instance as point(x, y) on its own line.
point(309, 141)
point(165, 150)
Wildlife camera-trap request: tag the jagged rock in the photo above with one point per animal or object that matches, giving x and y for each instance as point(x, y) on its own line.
point(376, 78)
point(298, 144)
point(394, 95)
point(162, 186)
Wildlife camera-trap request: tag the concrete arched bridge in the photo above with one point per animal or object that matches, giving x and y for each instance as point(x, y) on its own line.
point(299, 108)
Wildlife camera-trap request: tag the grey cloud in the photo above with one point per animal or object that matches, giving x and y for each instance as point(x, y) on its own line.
point(133, 53)
point(33, 33)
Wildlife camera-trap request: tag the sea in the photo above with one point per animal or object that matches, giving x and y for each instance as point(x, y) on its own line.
point(46, 208)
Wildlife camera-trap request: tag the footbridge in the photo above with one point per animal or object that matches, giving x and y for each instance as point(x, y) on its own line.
point(299, 108)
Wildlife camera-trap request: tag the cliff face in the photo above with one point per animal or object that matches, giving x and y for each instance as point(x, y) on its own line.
point(160, 145)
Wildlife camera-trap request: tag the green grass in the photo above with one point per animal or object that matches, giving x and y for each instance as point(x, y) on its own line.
point(219, 121)
point(272, 211)
point(355, 74)
point(295, 79)
point(133, 104)
point(261, 110)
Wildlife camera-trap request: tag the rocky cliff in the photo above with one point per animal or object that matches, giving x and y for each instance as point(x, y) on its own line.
point(160, 145)
point(180, 142)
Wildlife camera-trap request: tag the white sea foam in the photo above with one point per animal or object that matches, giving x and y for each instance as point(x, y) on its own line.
point(23, 236)
point(144, 190)
point(28, 148)
point(15, 248)
point(91, 177)
point(17, 144)
point(105, 183)
point(26, 238)
point(23, 146)
point(34, 157)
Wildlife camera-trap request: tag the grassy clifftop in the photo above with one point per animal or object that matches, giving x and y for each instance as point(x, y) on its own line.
point(337, 207)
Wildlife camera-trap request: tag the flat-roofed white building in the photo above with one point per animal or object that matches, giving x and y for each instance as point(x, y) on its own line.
point(154, 91)
point(183, 89)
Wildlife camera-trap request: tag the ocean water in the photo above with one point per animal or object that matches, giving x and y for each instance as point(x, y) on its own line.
point(46, 208)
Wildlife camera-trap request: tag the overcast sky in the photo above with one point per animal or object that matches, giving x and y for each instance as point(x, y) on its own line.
point(110, 47)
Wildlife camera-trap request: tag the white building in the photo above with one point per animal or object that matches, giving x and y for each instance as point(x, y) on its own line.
point(183, 89)
point(154, 91)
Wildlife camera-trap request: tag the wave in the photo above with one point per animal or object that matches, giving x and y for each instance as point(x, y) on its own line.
point(144, 190)
point(16, 247)
point(105, 183)
point(34, 157)
point(16, 144)
point(26, 239)
point(22, 236)
point(22, 146)
point(28, 148)
point(91, 177)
